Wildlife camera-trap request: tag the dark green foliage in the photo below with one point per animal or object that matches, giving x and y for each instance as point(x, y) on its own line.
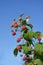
point(35, 62)
point(36, 34)
point(26, 49)
point(15, 52)
point(24, 22)
point(21, 15)
point(39, 50)
point(28, 35)
point(30, 25)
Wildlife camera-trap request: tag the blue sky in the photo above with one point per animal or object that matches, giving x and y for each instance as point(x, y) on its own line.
point(10, 9)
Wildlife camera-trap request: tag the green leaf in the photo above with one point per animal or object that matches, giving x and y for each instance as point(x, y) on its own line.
point(23, 22)
point(35, 61)
point(38, 62)
point(28, 35)
point(30, 25)
point(36, 34)
point(15, 52)
point(21, 15)
point(39, 50)
point(23, 44)
point(26, 49)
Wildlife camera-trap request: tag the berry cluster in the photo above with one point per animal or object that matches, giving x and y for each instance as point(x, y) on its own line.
point(28, 48)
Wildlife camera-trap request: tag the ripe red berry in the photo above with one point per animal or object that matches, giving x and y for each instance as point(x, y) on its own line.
point(39, 38)
point(16, 25)
point(24, 27)
point(18, 40)
point(24, 58)
point(18, 47)
point(13, 33)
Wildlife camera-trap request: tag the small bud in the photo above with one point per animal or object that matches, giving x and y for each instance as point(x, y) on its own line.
point(19, 18)
point(27, 17)
point(11, 25)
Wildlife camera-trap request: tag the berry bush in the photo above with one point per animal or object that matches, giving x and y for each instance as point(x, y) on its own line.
point(33, 50)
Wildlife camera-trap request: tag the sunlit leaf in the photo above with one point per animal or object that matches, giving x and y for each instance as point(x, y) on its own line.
point(15, 52)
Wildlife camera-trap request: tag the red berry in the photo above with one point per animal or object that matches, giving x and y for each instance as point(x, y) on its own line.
point(39, 38)
point(18, 40)
point(24, 27)
point(24, 58)
point(18, 47)
point(16, 25)
point(13, 33)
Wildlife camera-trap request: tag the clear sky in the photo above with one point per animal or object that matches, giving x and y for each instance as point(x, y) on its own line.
point(10, 9)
